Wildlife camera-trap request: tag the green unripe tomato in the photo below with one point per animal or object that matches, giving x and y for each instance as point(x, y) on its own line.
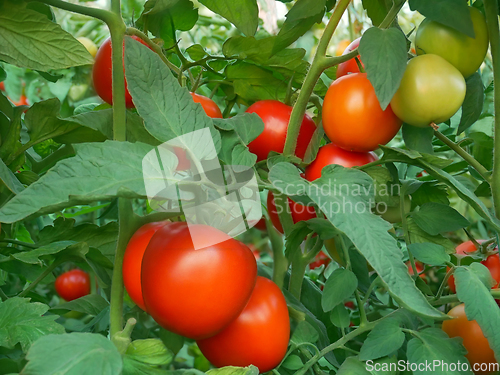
point(431, 90)
point(393, 214)
point(463, 52)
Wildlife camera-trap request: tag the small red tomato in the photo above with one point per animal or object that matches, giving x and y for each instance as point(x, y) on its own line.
point(261, 224)
point(276, 116)
point(353, 118)
point(2, 86)
point(259, 336)
point(300, 212)
point(196, 291)
point(101, 73)
point(350, 66)
point(419, 266)
point(320, 259)
point(331, 154)
point(73, 284)
point(132, 260)
point(209, 106)
point(350, 305)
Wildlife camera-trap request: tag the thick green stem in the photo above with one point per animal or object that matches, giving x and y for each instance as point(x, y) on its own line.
point(491, 10)
point(453, 298)
point(101, 14)
point(42, 276)
point(406, 232)
point(128, 223)
point(299, 265)
point(464, 155)
point(119, 108)
point(280, 263)
point(20, 243)
point(312, 77)
point(283, 210)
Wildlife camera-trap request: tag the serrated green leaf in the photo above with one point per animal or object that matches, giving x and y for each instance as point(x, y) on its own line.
point(418, 139)
point(473, 102)
point(33, 256)
point(338, 287)
point(91, 304)
point(353, 366)
point(339, 316)
point(429, 253)
point(386, 338)
point(244, 14)
point(436, 218)
point(149, 351)
point(231, 370)
point(418, 235)
point(305, 332)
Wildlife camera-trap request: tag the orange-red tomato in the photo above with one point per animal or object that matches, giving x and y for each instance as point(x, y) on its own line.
point(479, 351)
point(419, 266)
point(276, 116)
point(259, 336)
point(320, 259)
point(101, 73)
point(2, 86)
point(196, 291)
point(353, 118)
point(350, 66)
point(73, 284)
point(133, 259)
point(209, 106)
point(332, 154)
point(300, 212)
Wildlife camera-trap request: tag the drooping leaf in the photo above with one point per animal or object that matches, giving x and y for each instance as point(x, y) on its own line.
point(243, 14)
point(473, 102)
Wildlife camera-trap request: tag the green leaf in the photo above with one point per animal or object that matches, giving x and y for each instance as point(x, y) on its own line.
point(418, 235)
point(248, 126)
point(430, 192)
point(196, 52)
point(33, 256)
point(22, 322)
point(452, 13)
point(429, 253)
point(167, 108)
point(376, 10)
point(73, 354)
point(91, 304)
point(172, 341)
point(386, 338)
point(292, 362)
point(418, 139)
point(133, 367)
point(303, 15)
point(353, 190)
point(28, 39)
point(230, 370)
point(436, 218)
point(432, 344)
point(353, 366)
point(479, 303)
point(384, 56)
point(338, 287)
point(149, 351)
point(305, 332)
point(9, 179)
point(482, 149)
point(473, 102)
point(244, 14)
point(339, 316)
point(99, 172)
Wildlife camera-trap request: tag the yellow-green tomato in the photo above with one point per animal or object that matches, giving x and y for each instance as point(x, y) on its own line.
point(431, 91)
point(463, 52)
point(89, 45)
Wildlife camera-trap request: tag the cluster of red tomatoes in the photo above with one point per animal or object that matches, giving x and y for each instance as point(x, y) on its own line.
point(211, 294)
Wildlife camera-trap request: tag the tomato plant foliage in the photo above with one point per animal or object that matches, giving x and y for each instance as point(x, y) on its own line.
point(368, 173)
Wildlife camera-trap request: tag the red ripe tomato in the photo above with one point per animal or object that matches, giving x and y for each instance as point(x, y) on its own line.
point(479, 351)
point(2, 86)
point(276, 116)
point(261, 224)
point(73, 284)
point(196, 292)
point(101, 73)
point(353, 118)
point(350, 305)
point(350, 66)
point(133, 259)
point(419, 266)
point(299, 212)
point(332, 154)
point(259, 336)
point(320, 259)
point(209, 106)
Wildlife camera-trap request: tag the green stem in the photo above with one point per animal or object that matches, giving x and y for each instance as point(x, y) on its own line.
point(52, 159)
point(370, 289)
point(15, 242)
point(453, 298)
point(485, 174)
point(444, 283)
point(392, 14)
point(100, 14)
point(299, 265)
point(128, 224)
point(42, 276)
point(361, 307)
point(118, 90)
point(491, 10)
point(155, 47)
point(3, 296)
point(280, 263)
point(283, 210)
point(311, 78)
point(87, 28)
point(404, 223)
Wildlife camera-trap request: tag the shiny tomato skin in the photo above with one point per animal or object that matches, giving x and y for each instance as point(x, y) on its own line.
point(259, 336)
point(101, 73)
point(196, 292)
point(320, 259)
point(332, 154)
point(431, 90)
point(73, 284)
point(350, 66)
point(353, 118)
point(276, 116)
point(132, 260)
point(478, 348)
point(300, 212)
point(463, 52)
point(209, 106)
